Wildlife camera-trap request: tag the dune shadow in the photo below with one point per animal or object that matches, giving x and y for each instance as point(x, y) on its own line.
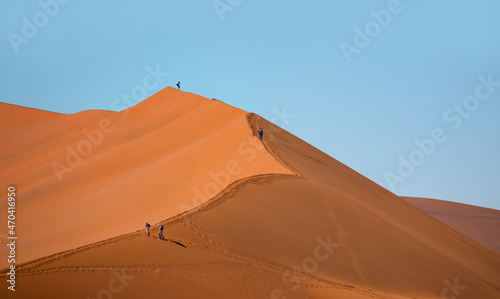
point(178, 243)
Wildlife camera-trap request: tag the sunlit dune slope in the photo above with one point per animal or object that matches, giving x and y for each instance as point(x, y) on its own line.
point(480, 224)
point(93, 175)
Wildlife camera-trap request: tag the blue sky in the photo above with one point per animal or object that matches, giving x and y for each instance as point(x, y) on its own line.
point(411, 69)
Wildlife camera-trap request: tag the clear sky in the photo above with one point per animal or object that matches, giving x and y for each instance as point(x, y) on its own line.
point(405, 92)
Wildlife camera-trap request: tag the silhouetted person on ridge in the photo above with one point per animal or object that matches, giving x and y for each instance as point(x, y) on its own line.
point(147, 227)
point(261, 132)
point(178, 85)
point(160, 234)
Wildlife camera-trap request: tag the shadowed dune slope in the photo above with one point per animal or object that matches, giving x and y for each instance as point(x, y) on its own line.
point(295, 223)
point(385, 245)
point(480, 224)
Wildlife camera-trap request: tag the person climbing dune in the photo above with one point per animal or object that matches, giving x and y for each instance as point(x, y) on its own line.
point(178, 85)
point(147, 227)
point(261, 132)
point(160, 234)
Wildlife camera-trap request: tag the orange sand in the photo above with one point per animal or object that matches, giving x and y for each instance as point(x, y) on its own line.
point(282, 220)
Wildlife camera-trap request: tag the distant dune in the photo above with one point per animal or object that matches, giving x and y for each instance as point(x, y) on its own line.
point(480, 224)
point(243, 218)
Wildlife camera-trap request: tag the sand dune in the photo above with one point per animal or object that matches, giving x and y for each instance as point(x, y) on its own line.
point(243, 219)
point(480, 224)
point(102, 174)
